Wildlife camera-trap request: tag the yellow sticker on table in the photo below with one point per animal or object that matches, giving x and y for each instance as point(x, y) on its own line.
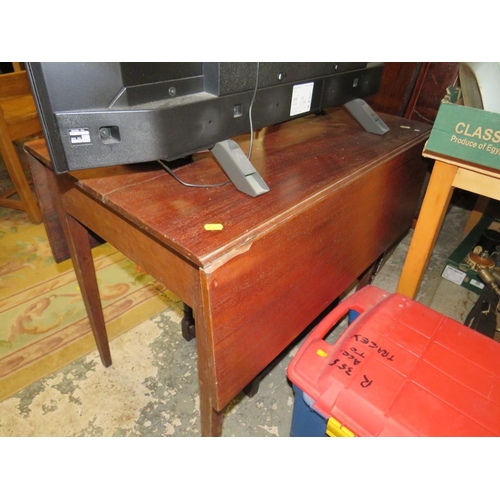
point(213, 227)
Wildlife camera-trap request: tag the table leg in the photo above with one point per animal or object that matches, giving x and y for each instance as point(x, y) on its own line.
point(187, 324)
point(78, 239)
point(477, 212)
point(211, 414)
point(430, 220)
point(211, 419)
point(47, 192)
point(368, 276)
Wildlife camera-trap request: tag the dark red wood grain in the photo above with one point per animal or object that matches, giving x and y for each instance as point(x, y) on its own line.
point(339, 197)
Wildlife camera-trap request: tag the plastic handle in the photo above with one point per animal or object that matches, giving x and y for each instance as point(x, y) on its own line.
point(361, 301)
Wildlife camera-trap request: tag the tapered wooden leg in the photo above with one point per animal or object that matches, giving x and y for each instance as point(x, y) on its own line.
point(476, 213)
point(430, 220)
point(211, 414)
point(79, 246)
point(47, 192)
point(27, 201)
point(211, 419)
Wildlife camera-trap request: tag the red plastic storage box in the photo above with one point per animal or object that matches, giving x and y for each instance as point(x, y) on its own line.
point(398, 369)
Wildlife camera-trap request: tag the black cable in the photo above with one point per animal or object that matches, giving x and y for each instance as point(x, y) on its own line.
point(187, 184)
point(250, 111)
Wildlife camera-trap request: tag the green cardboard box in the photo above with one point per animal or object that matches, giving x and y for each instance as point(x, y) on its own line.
point(457, 270)
point(465, 133)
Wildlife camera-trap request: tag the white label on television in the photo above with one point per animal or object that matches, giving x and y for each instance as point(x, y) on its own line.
point(453, 275)
point(79, 135)
point(301, 98)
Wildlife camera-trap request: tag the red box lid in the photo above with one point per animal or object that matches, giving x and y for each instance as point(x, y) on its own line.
point(401, 369)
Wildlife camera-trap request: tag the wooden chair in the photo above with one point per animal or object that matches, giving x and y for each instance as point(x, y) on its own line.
point(18, 120)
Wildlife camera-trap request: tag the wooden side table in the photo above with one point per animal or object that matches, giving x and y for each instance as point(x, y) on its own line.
point(339, 198)
point(447, 174)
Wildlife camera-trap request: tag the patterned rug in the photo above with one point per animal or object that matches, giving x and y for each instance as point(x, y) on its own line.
point(43, 323)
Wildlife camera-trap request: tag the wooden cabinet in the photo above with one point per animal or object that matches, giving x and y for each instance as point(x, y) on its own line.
point(414, 89)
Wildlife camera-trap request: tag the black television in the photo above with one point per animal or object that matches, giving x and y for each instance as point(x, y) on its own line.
point(96, 114)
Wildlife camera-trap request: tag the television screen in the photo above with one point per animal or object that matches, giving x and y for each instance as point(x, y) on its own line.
point(100, 114)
